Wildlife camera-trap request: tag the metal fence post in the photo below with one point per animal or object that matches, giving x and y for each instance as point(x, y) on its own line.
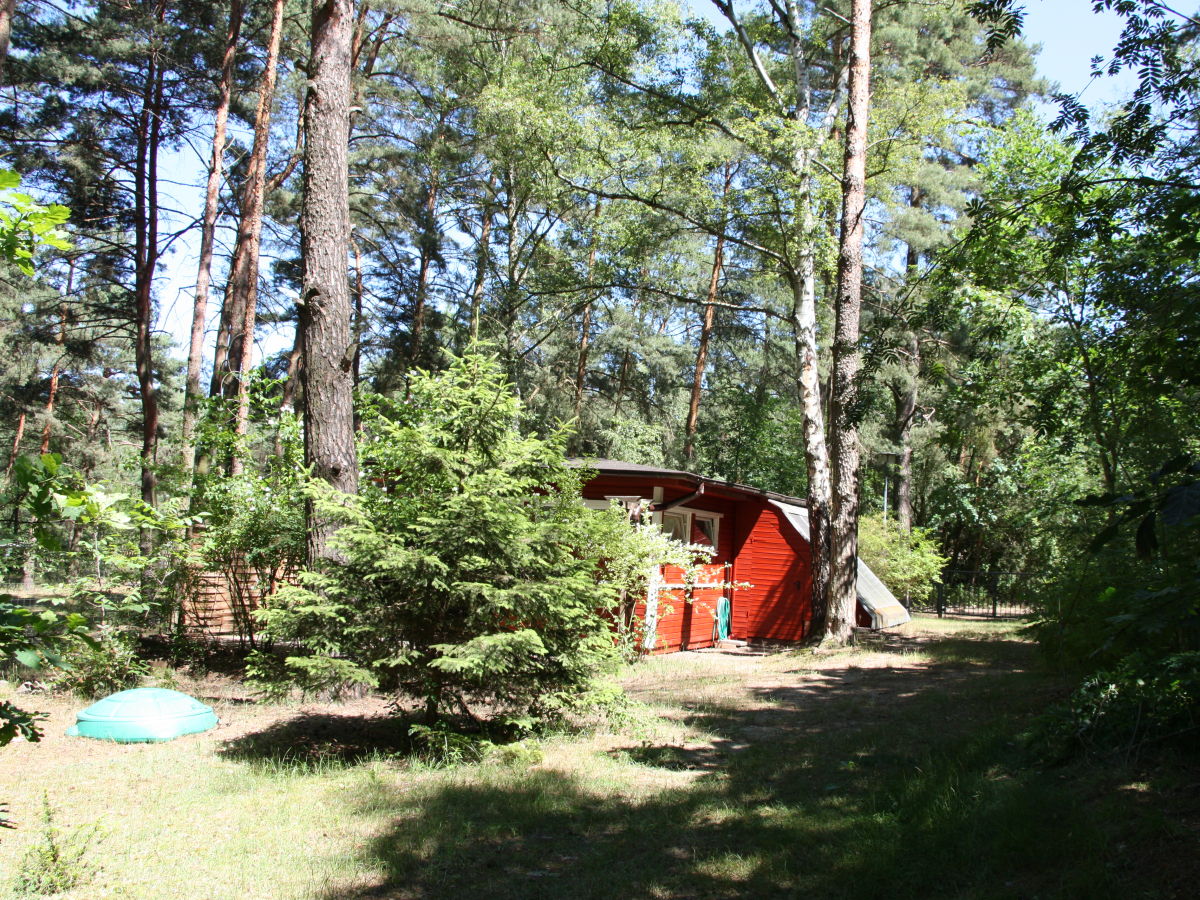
point(941, 599)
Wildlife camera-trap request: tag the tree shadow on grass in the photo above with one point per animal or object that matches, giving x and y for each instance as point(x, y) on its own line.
point(884, 783)
point(318, 741)
point(989, 652)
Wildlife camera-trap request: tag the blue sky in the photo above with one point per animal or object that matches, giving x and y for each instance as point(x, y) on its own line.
point(1071, 34)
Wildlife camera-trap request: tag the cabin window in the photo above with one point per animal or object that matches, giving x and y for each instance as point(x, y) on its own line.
point(704, 530)
point(691, 527)
point(675, 525)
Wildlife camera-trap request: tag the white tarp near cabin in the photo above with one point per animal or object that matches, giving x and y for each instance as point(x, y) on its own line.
point(881, 605)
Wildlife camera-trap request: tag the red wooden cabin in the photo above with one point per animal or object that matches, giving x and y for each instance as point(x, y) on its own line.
point(758, 585)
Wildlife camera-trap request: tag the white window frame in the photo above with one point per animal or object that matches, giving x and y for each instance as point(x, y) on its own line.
point(689, 516)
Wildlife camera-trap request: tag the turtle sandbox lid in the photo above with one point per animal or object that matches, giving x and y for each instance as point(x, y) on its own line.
point(143, 714)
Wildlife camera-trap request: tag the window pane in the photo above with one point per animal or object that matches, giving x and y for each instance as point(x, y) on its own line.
point(675, 525)
point(704, 531)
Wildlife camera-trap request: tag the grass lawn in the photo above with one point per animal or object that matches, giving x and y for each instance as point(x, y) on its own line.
point(894, 770)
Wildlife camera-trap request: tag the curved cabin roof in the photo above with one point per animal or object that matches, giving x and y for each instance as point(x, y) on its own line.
point(613, 468)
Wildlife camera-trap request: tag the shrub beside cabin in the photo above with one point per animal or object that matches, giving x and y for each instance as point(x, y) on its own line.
point(758, 585)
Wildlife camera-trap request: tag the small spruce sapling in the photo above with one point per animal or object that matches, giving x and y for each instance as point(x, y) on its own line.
point(474, 578)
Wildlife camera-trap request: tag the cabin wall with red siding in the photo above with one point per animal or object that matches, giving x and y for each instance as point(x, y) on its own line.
point(688, 620)
point(777, 563)
point(766, 553)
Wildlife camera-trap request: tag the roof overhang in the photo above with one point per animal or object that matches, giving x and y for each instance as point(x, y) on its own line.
point(713, 487)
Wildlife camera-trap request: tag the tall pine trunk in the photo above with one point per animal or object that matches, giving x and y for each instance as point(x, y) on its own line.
point(844, 456)
point(906, 394)
point(18, 437)
point(325, 298)
point(706, 330)
point(212, 196)
point(149, 137)
point(905, 397)
point(428, 248)
point(287, 396)
point(243, 278)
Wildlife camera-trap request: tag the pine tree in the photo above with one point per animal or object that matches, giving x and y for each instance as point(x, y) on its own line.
point(325, 300)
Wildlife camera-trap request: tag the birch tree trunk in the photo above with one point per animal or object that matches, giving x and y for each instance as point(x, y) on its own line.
point(325, 298)
point(801, 275)
point(844, 456)
point(816, 452)
point(803, 280)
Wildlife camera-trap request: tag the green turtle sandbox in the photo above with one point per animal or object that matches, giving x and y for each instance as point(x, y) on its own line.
point(142, 715)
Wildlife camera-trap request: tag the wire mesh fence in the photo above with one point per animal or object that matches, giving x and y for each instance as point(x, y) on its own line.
point(992, 595)
point(20, 593)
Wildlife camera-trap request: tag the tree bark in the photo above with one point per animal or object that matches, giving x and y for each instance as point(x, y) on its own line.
point(16, 446)
point(55, 374)
point(244, 275)
point(428, 247)
point(706, 330)
point(844, 456)
point(905, 397)
point(212, 195)
point(816, 452)
point(803, 279)
point(8, 9)
point(57, 370)
point(907, 394)
point(149, 137)
point(325, 299)
point(287, 399)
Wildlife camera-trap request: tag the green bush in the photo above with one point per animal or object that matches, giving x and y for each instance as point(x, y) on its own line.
point(474, 579)
point(1142, 699)
point(102, 667)
point(33, 639)
point(1128, 618)
point(909, 563)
